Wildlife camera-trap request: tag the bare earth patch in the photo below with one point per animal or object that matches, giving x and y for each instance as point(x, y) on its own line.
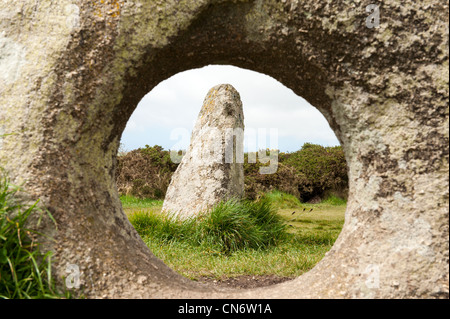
point(244, 281)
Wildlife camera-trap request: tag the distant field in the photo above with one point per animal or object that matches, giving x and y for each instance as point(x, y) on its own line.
point(309, 235)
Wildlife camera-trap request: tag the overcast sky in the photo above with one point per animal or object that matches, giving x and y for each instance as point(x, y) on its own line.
point(171, 109)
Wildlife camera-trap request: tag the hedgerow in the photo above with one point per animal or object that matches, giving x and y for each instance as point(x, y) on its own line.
point(312, 173)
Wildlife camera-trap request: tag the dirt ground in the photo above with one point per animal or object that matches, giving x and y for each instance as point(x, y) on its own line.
point(244, 281)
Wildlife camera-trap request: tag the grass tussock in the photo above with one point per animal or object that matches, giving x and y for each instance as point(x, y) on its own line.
point(25, 272)
point(228, 227)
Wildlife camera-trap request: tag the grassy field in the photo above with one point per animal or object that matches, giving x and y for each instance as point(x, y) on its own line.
point(310, 230)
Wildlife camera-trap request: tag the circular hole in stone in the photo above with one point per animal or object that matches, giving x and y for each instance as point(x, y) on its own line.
point(307, 191)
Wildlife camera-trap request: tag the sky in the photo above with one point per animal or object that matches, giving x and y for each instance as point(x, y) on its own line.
point(280, 118)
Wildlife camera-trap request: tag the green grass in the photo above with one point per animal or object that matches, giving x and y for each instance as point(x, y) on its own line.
point(280, 200)
point(335, 201)
point(134, 202)
point(230, 226)
point(25, 272)
point(225, 243)
point(133, 205)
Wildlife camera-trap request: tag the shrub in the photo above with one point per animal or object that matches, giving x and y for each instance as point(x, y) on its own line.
point(284, 179)
point(312, 173)
point(321, 170)
point(145, 172)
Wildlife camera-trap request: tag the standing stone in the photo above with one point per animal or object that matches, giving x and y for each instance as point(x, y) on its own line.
point(212, 168)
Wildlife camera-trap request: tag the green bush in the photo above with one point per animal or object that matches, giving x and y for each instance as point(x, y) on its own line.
point(284, 179)
point(145, 172)
point(310, 174)
point(321, 170)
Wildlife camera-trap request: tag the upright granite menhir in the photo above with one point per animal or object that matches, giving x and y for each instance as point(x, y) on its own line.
point(212, 168)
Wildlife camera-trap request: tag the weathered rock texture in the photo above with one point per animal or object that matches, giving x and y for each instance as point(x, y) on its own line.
point(212, 169)
point(72, 72)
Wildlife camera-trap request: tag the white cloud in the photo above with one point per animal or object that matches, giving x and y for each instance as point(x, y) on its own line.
point(176, 102)
point(132, 126)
